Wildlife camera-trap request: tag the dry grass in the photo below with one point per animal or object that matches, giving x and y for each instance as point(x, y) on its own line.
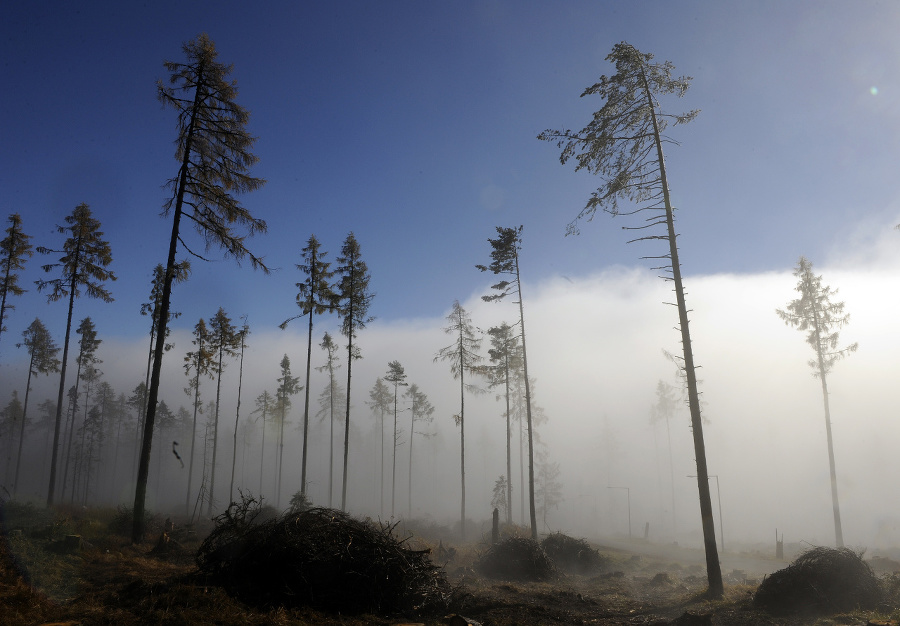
point(112, 582)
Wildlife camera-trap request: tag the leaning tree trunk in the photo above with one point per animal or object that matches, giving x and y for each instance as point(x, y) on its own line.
point(838, 531)
point(713, 568)
point(140, 492)
point(62, 385)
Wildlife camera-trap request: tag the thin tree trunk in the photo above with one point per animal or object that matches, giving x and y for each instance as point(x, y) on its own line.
point(62, 384)
point(508, 450)
point(531, 509)
point(331, 444)
point(394, 457)
point(187, 501)
point(838, 531)
point(140, 493)
point(347, 414)
point(280, 451)
point(212, 470)
point(237, 417)
point(412, 433)
point(24, 416)
point(462, 436)
point(306, 398)
point(262, 457)
point(713, 568)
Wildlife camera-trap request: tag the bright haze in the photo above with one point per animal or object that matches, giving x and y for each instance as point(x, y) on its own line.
point(414, 125)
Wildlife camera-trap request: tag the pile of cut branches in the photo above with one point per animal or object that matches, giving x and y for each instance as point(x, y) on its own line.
point(320, 558)
point(516, 558)
point(820, 581)
point(572, 555)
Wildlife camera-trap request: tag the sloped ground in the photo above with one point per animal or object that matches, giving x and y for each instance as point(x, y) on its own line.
point(110, 582)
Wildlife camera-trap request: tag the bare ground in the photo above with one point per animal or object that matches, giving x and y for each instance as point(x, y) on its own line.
point(109, 581)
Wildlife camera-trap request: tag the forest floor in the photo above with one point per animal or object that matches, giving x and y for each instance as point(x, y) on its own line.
point(106, 580)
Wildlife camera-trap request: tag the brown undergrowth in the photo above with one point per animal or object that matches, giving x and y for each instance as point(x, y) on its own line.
point(108, 581)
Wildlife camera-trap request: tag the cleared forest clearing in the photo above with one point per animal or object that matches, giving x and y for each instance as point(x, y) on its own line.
point(47, 575)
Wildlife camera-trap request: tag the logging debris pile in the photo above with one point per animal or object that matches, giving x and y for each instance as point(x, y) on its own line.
point(320, 558)
point(572, 555)
point(516, 558)
point(820, 581)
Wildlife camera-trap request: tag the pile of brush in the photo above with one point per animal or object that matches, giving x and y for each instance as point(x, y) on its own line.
point(820, 581)
point(516, 558)
point(320, 558)
point(572, 555)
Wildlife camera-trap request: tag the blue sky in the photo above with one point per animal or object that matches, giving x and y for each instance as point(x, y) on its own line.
point(414, 125)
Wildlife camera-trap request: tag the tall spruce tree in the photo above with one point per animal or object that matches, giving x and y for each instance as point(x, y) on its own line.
point(354, 299)
point(623, 144)
point(213, 152)
point(42, 351)
point(13, 250)
point(83, 268)
point(815, 314)
point(464, 359)
point(505, 262)
point(314, 296)
point(396, 376)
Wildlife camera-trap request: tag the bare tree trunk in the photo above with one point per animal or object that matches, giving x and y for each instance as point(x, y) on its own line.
point(59, 400)
point(237, 417)
point(713, 568)
point(24, 415)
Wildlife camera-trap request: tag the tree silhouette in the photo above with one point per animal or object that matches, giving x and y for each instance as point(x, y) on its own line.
point(464, 358)
point(90, 374)
point(85, 257)
point(380, 402)
point(151, 308)
point(331, 393)
point(287, 386)
point(13, 250)
point(506, 355)
point(213, 152)
point(224, 340)
point(200, 361)
point(354, 299)
point(242, 340)
point(623, 144)
point(396, 377)
point(662, 411)
point(815, 314)
point(42, 351)
point(421, 410)
point(265, 403)
point(505, 261)
point(314, 296)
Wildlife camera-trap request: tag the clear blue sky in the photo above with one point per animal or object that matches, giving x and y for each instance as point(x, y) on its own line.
point(413, 124)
